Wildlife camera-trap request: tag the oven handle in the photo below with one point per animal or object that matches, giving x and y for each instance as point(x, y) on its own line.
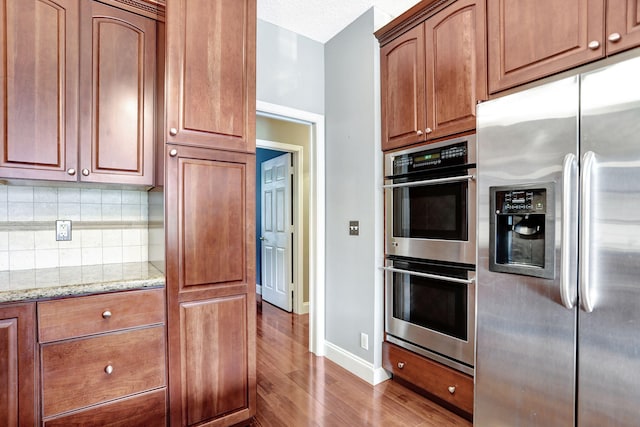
point(430, 276)
point(431, 181)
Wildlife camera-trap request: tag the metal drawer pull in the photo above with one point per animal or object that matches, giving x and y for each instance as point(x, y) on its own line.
point(432, 181)
point(593, 45)
point(106, 314)
point(614, 37)
point(400, 365)
point(430, 276)
point(108, 369)
point(452, 389)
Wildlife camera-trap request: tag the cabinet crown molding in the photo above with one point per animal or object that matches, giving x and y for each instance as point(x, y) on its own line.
point(409, 19)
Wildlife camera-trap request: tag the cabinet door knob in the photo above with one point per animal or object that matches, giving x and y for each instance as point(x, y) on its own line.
point(106, 314)
point(173, 152)
point(593, 45)
point(108, 369)
point(614, 37)
point(452, 389)
point(85, 172)
point(173, 131)
point(400, 365)
point(428, 130)
point(419, 132)
point(71, 171)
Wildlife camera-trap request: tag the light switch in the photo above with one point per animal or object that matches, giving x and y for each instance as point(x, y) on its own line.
point(354, 228)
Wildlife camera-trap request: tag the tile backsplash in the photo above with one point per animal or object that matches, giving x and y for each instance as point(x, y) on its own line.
point(109, 226)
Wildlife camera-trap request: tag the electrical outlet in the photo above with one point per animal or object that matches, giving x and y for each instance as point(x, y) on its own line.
point(63, 229)
point(364, 340)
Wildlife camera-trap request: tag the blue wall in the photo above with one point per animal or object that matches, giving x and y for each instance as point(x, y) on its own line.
point(262, 155)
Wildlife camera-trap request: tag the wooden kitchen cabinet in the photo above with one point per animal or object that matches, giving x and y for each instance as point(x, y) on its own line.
point(447, 386)
point(117, 86)
point(18, 374)
point(78, 92)
point(211, 73)
point(103, 357)
point(531, 39)
point(432, 74)
point(210, 267)
point(39, 90)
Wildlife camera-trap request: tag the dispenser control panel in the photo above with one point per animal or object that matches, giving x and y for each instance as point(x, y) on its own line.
point(521, 201)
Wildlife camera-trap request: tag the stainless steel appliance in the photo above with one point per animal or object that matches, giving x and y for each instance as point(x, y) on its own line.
point(430, 201)
point(558, 288)
point(430, 309)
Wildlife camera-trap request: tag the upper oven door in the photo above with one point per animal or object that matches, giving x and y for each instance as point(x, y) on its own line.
point(430, 205)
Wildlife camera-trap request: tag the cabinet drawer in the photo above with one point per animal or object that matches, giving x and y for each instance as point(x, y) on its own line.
point(143, 410)
point(75, 373)
point(82, 316)
point(430, 376)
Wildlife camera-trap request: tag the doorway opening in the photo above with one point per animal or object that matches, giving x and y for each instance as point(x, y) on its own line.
point(270, 120)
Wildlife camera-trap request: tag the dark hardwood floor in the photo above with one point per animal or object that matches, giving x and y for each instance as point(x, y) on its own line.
point(296, 388)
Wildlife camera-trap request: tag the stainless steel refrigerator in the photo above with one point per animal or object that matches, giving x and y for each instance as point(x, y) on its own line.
point(558, 283)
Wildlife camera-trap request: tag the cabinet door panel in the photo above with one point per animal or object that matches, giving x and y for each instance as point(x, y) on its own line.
point(211, 73)
point(214, 340)
point(402, 76)
point(117, 126)
point(530, 39)
point(17, 365)
point(623, 17)
point(456, 67)
point(38, 94)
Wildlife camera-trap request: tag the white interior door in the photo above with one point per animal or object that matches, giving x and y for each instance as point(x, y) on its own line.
point(276, 231)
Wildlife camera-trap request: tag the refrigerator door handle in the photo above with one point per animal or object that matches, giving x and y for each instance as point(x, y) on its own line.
point(569, 225)
point(588, 162)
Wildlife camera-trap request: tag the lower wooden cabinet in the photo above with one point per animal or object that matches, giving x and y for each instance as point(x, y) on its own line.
point(143, 410)
point(103, 359)
point(18, 401)
point(452, 388)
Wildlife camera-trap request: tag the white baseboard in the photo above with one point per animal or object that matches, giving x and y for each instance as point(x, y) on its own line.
point(305, 308)
point(258, 289)
point(354, 364)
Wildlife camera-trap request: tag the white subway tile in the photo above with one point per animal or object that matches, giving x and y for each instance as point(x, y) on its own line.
point(70, 257)
point(74, 243)
point(4, 240)
point(69, 211)
point(21, 240)
point(90, 212)
point(144, 197)
point(131, 237)
point(91, 256)
point(20, 211)
point(112, 197)
point(90, 195)
point(131, 197)
point(68, 195)
point(45, 211)
point(4, 260)
point(91, 239)
point(45, 239)
point(111, 212)
point(144, 212)
point(4, 212)
point(20, 194)
point(45, 195)
point(3, 193)
point(22, 260)
point(112, 255)
point(144, 253)
point(131, 254)
point(47, 258)
point(112, 238)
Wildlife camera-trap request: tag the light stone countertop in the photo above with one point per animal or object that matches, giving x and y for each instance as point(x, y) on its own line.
point(24, 285)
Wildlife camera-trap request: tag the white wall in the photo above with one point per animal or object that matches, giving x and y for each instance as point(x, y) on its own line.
point(353, 179)
point(289, 69)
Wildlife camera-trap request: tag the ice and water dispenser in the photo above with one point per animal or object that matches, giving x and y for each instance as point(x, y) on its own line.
point(522, 230)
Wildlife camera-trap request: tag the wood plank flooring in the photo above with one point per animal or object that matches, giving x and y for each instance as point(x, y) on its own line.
point(296, 388)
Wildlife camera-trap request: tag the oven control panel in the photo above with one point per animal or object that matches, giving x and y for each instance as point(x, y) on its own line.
point(451, 155)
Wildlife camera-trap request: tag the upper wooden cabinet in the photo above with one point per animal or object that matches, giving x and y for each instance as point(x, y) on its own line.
point(77, 93)
point(432, 74)
point(17, 365)
point(39, 89)
point(117, 109)
point(530, 39)
point(211, 73)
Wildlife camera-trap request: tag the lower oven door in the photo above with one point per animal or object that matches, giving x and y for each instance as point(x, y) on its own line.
point(430, 309)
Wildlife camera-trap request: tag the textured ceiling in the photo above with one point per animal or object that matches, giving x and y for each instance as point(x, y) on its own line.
point(320, 20)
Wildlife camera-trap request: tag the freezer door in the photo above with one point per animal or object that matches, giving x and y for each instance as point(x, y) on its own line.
point(609, 335)
point(526, 338)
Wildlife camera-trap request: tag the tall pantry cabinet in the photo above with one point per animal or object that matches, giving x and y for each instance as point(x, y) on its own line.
point(210, 210)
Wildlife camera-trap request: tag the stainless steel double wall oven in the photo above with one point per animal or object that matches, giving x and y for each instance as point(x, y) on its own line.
point(430, 210)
